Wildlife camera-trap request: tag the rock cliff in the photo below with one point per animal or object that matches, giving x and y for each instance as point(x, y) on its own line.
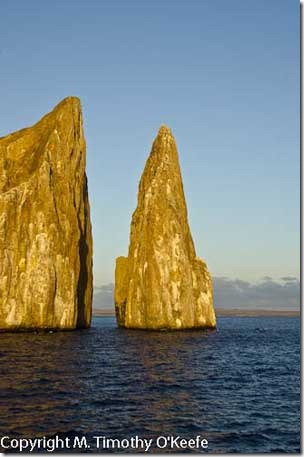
point(45, 229)
point(162, 284)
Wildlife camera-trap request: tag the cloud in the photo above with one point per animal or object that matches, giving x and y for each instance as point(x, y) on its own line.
point(289, 278)
point(268, 293)
point(266, 278)
point(265, 294)
point(103, 297)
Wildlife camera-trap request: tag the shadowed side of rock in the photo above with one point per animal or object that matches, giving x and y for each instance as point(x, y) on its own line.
point(45, 229)
point(162, 284)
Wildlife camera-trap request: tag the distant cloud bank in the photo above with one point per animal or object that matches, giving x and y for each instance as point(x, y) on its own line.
point(103, 296)
point(268, 293)
point(265, 294)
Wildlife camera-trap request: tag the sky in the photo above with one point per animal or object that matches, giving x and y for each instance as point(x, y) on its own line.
point(223, 75)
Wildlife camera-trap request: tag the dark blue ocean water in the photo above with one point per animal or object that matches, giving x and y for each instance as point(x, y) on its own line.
point(238, 387)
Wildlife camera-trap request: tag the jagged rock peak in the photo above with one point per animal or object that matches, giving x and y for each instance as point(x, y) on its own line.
point(164, 130)
point(45, 229)
point(162, 284)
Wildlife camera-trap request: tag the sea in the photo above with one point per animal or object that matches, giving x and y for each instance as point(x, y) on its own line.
point(236, 388)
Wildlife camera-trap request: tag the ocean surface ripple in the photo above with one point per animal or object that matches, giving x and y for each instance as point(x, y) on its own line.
point(238, 387)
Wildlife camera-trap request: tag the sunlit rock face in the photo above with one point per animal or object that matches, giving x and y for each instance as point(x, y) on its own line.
point(162, 284)
point(45, 229)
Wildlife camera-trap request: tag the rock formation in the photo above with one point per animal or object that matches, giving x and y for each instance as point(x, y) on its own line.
point(162, 284)
point(45, 229)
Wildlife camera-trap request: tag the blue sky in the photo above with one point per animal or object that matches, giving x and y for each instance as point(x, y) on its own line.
point(224, 75)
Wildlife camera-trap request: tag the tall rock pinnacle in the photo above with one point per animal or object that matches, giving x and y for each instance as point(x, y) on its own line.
point(45, 229)
point(162, 284)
